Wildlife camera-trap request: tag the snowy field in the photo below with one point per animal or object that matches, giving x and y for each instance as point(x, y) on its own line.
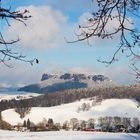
point(110, 107)
point(63, 135)
point(18, 96)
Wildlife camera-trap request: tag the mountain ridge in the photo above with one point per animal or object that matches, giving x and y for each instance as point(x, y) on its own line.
point(54, 82)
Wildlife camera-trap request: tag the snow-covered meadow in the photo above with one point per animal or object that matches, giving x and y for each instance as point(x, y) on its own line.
point(65, 135)
point(109, 107)
point(18, 96)
point(61, 113)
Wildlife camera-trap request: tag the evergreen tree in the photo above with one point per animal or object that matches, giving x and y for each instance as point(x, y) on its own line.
point(0, 115)
point(28, 123)
point(24, 123)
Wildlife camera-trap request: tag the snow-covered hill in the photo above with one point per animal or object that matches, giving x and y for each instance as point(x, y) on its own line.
point(110, 107)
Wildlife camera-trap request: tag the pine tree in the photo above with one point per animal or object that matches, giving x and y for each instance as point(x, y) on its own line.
point(28, 123)
point(0, 115)
point(24, 123)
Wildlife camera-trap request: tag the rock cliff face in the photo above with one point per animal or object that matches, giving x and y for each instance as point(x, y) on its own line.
point(53, 82)
point(75, 77)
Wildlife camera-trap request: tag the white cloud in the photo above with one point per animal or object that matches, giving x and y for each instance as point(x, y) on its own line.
point(20, 74)
point(119, 75)
point(110, 27)
point(82, 70)
point(42, 30)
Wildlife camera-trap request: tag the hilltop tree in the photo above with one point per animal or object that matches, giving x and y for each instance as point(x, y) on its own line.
point(7, 53)
point(125, 14)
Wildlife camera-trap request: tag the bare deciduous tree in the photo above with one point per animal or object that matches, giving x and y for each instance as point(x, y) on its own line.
point(7, 53)
point(125, 13)
point(74, 123)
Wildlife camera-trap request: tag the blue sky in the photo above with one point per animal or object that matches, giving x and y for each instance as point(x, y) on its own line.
point(43, 38)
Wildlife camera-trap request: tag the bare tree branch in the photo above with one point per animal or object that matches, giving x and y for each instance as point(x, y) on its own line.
point(6, 51)
point(121, 12)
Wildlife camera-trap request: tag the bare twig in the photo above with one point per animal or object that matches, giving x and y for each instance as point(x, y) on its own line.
point(98, 26)
point(6, 51)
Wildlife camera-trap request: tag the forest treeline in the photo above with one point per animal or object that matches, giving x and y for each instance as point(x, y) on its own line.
point(68, 96)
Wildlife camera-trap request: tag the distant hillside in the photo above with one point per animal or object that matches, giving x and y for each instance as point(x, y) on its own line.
point(69, 96)
point(8, 89)
point(52, 83)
